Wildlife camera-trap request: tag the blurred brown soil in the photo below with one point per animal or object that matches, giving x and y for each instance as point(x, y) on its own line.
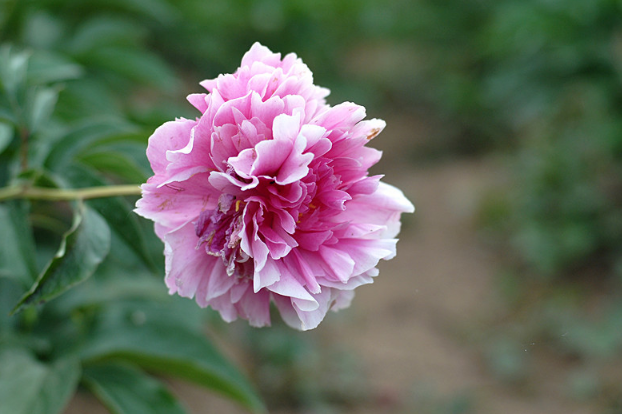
point(417, 331)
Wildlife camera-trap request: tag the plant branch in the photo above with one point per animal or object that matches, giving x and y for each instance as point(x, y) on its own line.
point(63, 194)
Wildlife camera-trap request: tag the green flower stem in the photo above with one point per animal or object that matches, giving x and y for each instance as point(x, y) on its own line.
point(64, 194)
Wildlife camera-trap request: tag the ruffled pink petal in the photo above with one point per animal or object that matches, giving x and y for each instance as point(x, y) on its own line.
point(310, 319)
point(171, 136)
point(186, 266)
point(260, 53)
point(176, 203)
point(287, 311)
point(383, 207)
point(296, 265)
point(255, 307)
point(367, 253)
point(337, 263)
point(267, 276)
point(290, 287)
point(198, 101)
point(343, 300)
point(367, 130)
point(340, 118)
point(296, 165)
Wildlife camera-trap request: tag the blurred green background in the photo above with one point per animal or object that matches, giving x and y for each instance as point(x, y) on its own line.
point(534, 85)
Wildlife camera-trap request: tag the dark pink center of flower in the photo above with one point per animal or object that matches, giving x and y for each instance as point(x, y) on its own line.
point(219, 230)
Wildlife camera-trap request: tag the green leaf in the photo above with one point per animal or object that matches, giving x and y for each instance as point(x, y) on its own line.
point(137, 65)
point(10, 292)
point(101, 291)
point(28, 386)
point(84, 136)
point(17, 249)
point(42, 31)
point(168, 346)
point(41, 106)
point(13, 67)
point(58, 386)
point(160, 10)
point(126, 390)
point(7, 116)
point(117, 212)
point(21, 378)
point(103, 31)
point(134, 148)
point(6, 135)
point(45, 68)
point(87, 96)
point(82, 249)
point(116, 163)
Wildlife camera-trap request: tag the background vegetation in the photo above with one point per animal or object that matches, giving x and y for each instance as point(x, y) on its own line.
point(537, 82)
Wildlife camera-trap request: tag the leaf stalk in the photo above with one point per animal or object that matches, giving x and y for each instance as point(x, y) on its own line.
point(67, 194)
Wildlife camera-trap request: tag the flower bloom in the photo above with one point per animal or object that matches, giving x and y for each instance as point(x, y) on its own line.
point(266, 196)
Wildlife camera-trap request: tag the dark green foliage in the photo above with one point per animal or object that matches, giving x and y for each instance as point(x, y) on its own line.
point(82, 249)
point(17, 251)
point(30, 386)
point(163, 343)
point(125, 390)
point(79, 303)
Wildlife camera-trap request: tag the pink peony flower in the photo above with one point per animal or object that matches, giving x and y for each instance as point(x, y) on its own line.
point(266, 196)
